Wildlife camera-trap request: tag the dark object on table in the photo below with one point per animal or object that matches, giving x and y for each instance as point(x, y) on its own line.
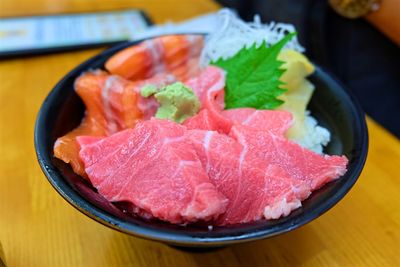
point(357, 53)
point(62, 111)
point(68, 37)
point(2, 258)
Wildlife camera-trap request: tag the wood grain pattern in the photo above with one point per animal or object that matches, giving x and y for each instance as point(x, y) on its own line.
point(39, 228)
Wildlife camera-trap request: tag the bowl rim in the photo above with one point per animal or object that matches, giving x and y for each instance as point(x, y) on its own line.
point(185, 239)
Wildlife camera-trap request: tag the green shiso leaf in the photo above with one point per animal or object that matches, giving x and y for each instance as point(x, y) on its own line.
point(253, 76)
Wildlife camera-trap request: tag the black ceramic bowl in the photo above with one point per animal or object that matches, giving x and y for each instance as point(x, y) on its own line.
point(334, 108)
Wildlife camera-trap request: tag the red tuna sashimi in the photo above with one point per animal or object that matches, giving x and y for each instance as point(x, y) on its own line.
point(209, 88)
point(204, 120)
point(276, 121)
point(254, 188)
point(155, 167)
point(112, 104)
point(299, 162)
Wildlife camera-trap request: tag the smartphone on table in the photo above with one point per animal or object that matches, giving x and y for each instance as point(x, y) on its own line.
point(21, 36)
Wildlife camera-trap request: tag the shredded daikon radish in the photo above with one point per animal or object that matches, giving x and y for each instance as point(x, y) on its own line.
point(234, 33)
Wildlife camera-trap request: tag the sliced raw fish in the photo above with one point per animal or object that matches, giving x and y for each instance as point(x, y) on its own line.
point(300, 163)
point(172, 54)
point(155, 167)
point(88, 86)
point(255, 188)
point(209, 88)
point(275, 121)
point(112, 104)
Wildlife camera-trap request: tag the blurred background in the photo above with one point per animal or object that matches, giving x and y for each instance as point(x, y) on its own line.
point(362, 51)
point(356, 40)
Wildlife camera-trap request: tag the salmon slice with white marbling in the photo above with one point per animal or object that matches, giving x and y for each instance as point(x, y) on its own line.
point(209, 88)
point(174, 54)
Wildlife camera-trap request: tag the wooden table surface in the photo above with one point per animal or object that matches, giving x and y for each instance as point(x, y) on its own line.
point(39, 228)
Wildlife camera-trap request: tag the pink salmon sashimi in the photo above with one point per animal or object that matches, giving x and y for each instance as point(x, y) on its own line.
point(255, 189)
point(209, 88)
point(88, 86)
point(171, 54)
point(155, 167)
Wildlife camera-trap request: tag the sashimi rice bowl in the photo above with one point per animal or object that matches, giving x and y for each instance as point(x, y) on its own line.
point(202, 140)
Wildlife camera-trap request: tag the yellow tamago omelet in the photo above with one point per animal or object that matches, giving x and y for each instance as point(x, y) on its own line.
point(299, 91)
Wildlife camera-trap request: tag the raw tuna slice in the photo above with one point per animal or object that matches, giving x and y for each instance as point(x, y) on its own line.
point(254, 188)
point(278, 122)
point(275, 121)
point(203, 121)
point(300, 163)
point(209, 88)
point(155, 167)
point(112, 104)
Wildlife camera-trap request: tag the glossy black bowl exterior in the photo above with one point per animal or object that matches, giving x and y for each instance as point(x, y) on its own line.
point(334, 108)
